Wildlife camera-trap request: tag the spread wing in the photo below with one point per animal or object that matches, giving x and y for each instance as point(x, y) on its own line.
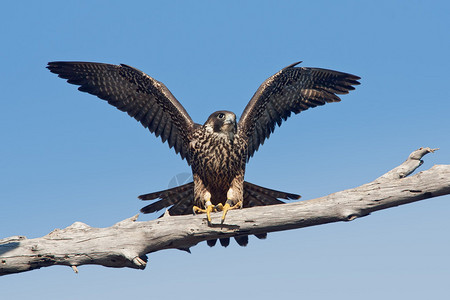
point(132, 91)
point(293, 89)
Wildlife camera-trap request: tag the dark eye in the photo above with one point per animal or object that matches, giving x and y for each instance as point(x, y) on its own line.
point(221, 116)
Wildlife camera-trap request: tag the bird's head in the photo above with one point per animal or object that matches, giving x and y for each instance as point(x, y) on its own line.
point(222, 122)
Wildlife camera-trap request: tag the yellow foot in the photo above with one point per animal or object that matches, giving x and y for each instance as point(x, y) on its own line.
point(225, 208)
point(197, 210)
point(208, 210)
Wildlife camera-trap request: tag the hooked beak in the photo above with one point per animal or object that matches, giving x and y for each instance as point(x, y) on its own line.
point(229, 124)
point(230, 120)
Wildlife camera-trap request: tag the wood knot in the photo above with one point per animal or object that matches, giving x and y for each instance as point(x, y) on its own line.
point(351, 217)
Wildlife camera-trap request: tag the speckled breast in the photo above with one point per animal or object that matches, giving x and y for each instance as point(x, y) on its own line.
point(217, 159)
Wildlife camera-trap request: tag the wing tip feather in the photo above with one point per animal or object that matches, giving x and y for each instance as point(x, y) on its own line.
point(292, 65)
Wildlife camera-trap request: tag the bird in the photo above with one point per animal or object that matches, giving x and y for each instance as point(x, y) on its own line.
point(218, 150)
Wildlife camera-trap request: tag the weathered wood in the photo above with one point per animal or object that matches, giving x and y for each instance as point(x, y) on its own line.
point(126, 243)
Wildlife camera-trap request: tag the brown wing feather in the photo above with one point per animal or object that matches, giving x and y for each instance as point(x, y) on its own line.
point(132, 91)
point(293, 89)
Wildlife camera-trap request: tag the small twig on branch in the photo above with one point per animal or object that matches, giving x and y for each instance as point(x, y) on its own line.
point(126, 243)
point(413, 161)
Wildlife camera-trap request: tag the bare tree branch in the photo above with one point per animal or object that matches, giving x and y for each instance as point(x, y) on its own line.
point(126, 243)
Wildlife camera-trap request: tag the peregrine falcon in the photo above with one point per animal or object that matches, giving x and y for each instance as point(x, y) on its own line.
point(218, 150)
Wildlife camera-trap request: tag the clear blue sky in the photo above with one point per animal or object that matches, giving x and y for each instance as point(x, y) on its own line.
point(67, 156)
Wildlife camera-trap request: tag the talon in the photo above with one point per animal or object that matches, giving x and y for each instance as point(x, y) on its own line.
point(219, 207)
point(209, 209)
point(196, 209)
point(227, 207)
point(238, 205)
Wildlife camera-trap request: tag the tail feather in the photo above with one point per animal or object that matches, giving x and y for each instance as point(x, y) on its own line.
point(182, 207)
point(242, 240)
point(267, 196)
point(254, 199)
point(211, 243)
point(224, 242)
point(261, 236)
point(180, 199)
